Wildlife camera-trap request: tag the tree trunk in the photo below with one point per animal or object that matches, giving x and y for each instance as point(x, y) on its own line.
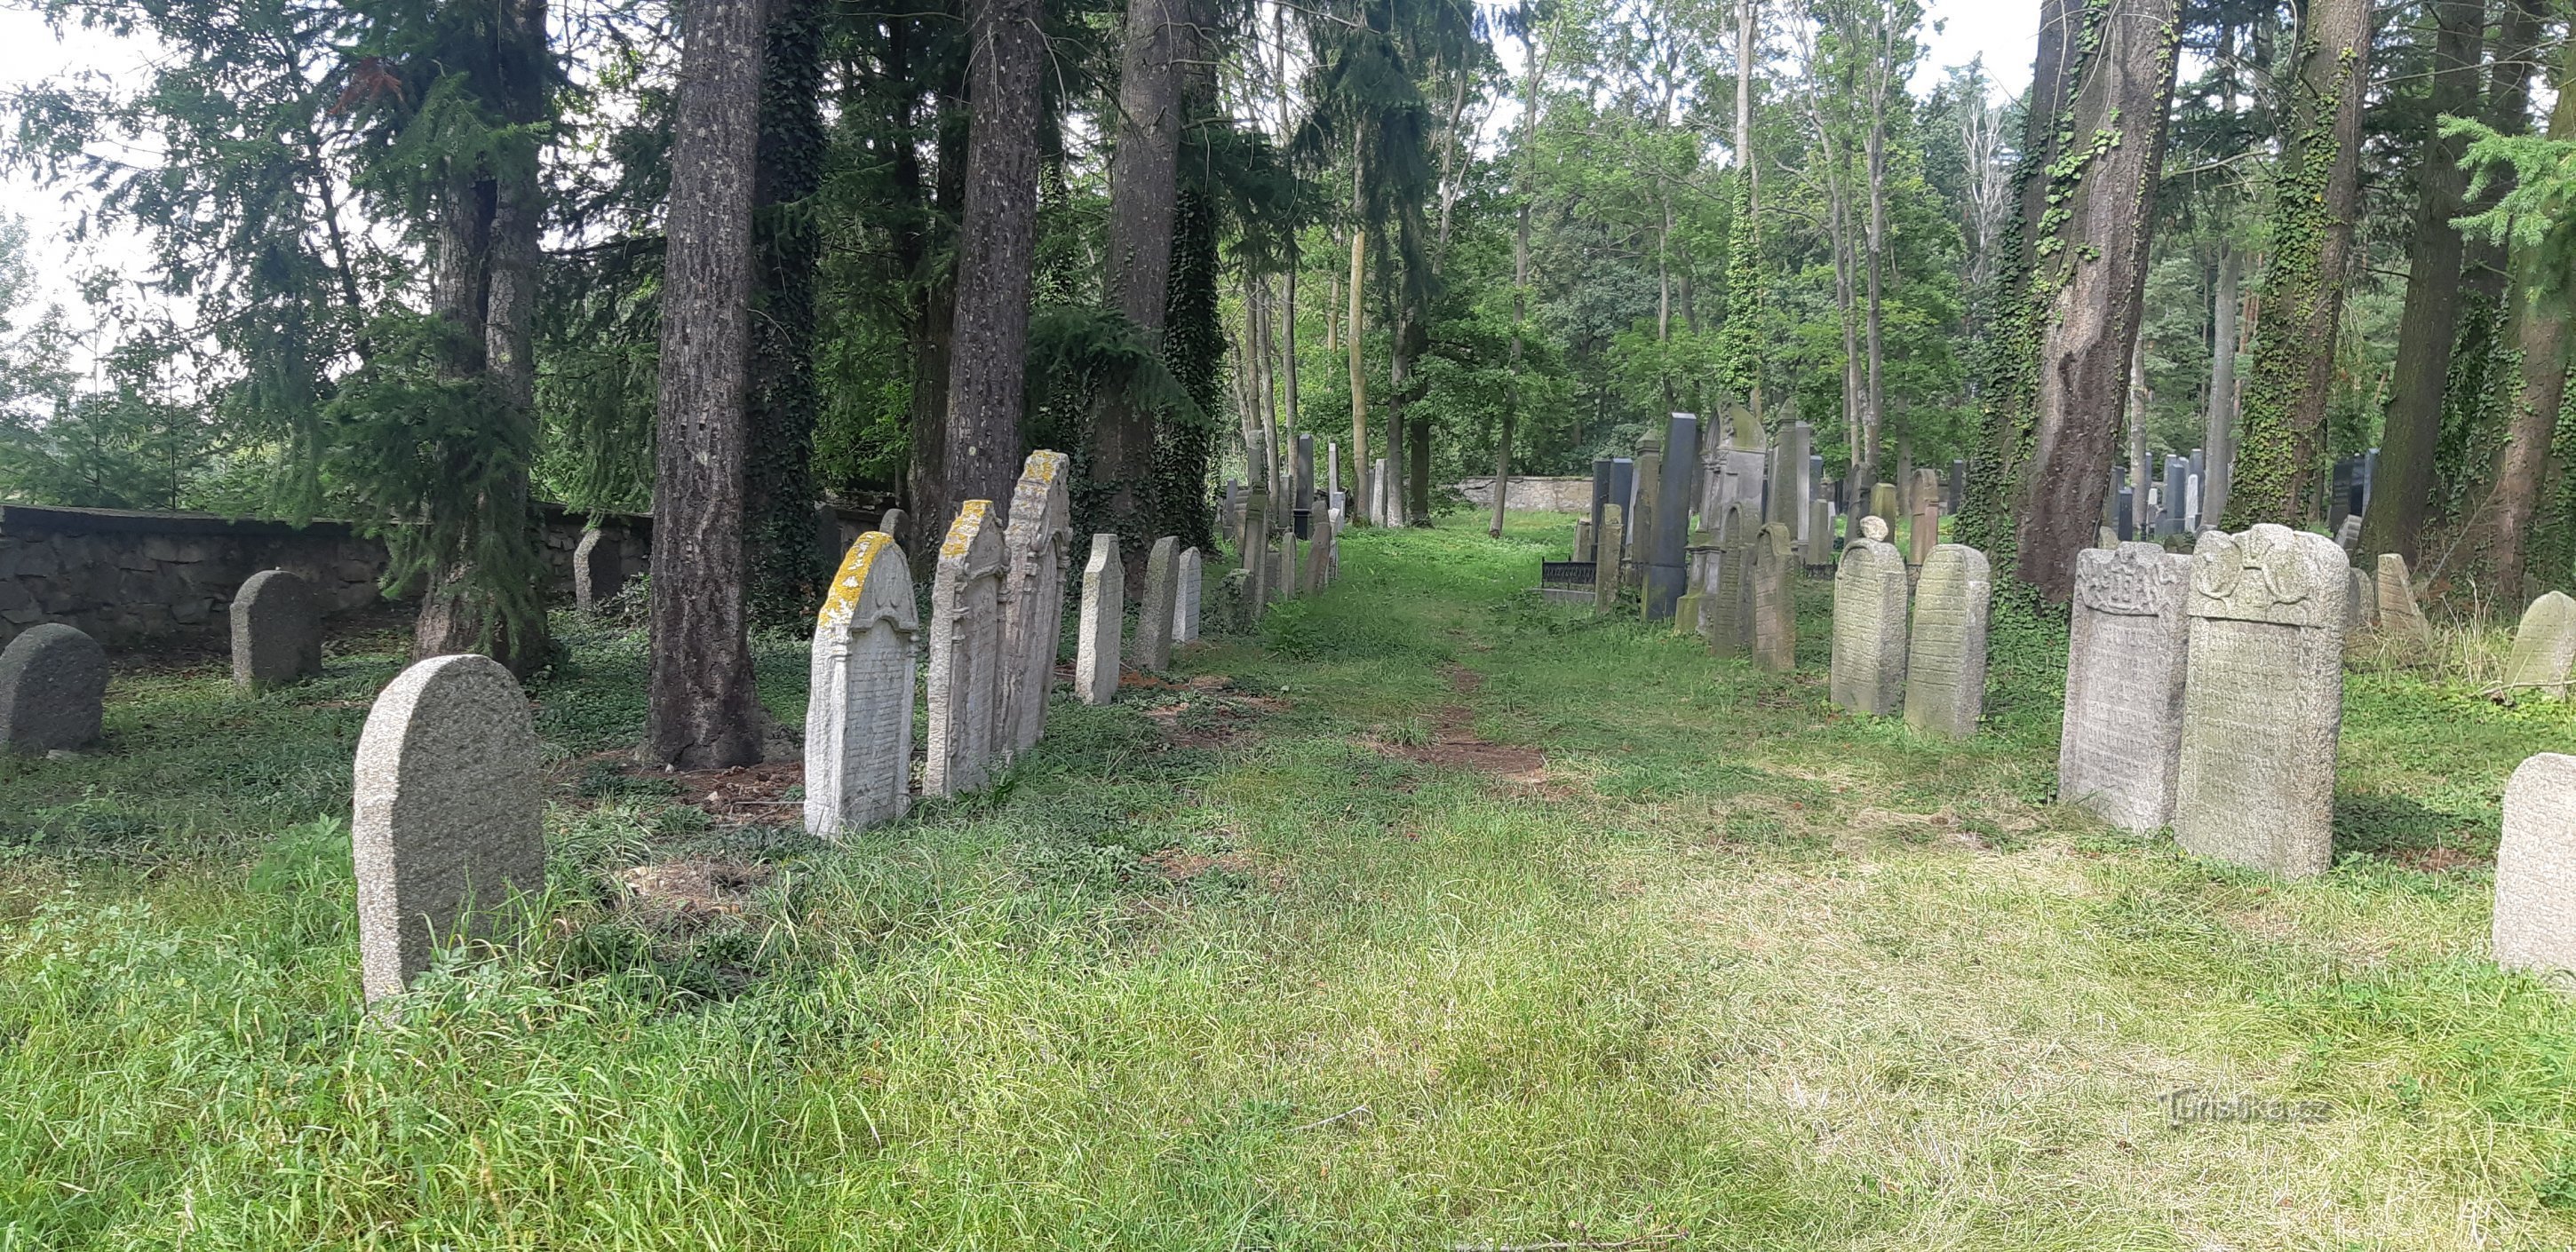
point(2541, 333)
point(2312, 222)
point(705, 711)
point(2093, 273)
point(996, 247)
point(930, 311)
point(787, 573)
point(1874, 159)
point(2218, 435)
point(1359, 375)
point(1144, 168)
point(2402, 492)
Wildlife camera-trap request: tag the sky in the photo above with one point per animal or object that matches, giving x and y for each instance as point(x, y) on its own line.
point(2003, 31)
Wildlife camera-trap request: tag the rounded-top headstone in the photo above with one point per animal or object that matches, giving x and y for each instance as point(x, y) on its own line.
point(53, 689)
point(277, 631)
point(2535, 876)
point(2544, 648)
point(1874, 527)
point(448, 817)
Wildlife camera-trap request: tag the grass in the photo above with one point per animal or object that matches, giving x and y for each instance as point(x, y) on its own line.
point(1260, 963)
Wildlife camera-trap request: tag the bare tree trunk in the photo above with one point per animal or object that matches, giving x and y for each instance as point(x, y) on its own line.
point(1874, 162)
point(1359, 368)
point(2096, 271)
point(1144, 189)
point(2218, 434)
point(705, 710)
point(2541, 333)
point(2312, 224)
point(2402, 492)
point(996, 246)
point(785, 570)
point(2141, 470)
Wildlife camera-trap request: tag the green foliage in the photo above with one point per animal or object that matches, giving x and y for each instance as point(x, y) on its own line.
point(2538, 211)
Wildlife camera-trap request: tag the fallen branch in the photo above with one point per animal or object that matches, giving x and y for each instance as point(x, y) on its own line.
point(1350, 1112)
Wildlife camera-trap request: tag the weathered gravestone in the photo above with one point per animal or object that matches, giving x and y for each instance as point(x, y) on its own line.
point(597, 571)
point(1256, 560)
point(1728, 614)
point(2544, 646)
point(1157, 614)
point(1817, 546)
point(1923, 530)
point(1185, 599)
point(965, 652)
point(1605, 562)
point(277, 631)
point(1104, 597)
point(2262, 699)
point(1643, 514)
point(1582, 540)
point(1868, 673)
point(53, 690)
point(858, 710)
point(2399, 614)
point(1690, 612)
point(1037, 546)
point(1945, 659)
point(1323, 557)
point(1775, 607)
point(448, 826)
point(2535, 874)
point(2362, 607)
point(2121, 740)
point(2348, 534)
point(1882, 505)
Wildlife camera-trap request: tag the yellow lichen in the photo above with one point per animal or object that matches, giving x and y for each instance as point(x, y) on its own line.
point(962, 532)
point(843, 599)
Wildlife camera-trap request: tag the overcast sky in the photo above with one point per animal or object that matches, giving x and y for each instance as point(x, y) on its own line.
point(2000, 30)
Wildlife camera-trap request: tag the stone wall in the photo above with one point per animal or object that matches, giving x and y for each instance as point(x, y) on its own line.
point(1532, 494)
point(129, 578)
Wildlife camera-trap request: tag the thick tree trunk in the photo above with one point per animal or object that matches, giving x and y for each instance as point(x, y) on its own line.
point(2541, 333)
point(996, 249)
point(2312, 224)
point(787, 573)
point(705, 711)
point(931, 309)
point(1144, 169)
point(2094, 273)
point(2218, 435)
point(2402, 492)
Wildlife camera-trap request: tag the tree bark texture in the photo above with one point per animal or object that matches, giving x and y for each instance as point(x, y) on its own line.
point(705, 712)
point(2402, 492)
point(2218, 435)
point(1144, 167)
point(1361, 505)
point(2312, 222)
point(787, 571)
point(996, 250)
point(2091, 279)
point(2541, 334)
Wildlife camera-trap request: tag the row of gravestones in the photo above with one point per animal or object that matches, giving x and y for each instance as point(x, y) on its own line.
point(1932, 671)
point(1275, 563)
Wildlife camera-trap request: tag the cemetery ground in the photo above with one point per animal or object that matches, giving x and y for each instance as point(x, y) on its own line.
point(1433, 917)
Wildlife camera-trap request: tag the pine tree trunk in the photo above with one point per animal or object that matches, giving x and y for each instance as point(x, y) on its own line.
point(1359, 372)
point(2541, 333)
point(1144, 168)
point(786, 570)
point(2093, 274)
point(930, 312)
point(2402, 492)
point(2218, 435)
point(705, 711)
point(2312, 223)
point(996, 252)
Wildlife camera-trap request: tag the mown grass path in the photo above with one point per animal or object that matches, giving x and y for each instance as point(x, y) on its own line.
point(1431, 917)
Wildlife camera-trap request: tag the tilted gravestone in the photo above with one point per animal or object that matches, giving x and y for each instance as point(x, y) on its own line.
point(2544, 646)
point(2121, 742)
point(1728, 613)
point(1156, 613)
point(1923, 529)
point(965, 652)
point(598, 571)
point(1868, 672)
point(53, 690)
point(1775, 608)
point(277, 631)
point(2535, 874)
point(1036, 546)
point(449, 814)
point(1605, 562)
point(1185, 599)
point(1104, 597)
point(1945, 659)
point(2399, 614)
point(858, 709)
point(2262, 699)
point(1690, 612)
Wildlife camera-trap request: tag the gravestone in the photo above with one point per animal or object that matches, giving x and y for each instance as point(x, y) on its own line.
point(1690, 612)
point(1868, 671)
point(965, 652)
point(2125, 515)
point(1333, 472)
point(1882, 505)
point(1104, 599)
point(1728, 614)
point(2361, 608)
point(1735, 467)
point(1816, 546)
point(2544, 646)
point(2348, 533)
point(1788, 490)
point(1945, 659)
point(1582, 540)
point(1158, 613)
point(1664, 573)
point(1323, 559)
point(1642, 514)
point(2262, 699)
point(2399, 614)
point(1185, 599)
point(1924, 532)
point(858, 708)
point(1775, 606)
point(597, 571)
point(1037, 547)
point(2170, 520)
point(448, 823)
point(2191, 504)
point(2535, 873)
point(1605, 561)
point(53, 690)
point(2121, 741)
point(277, 631)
